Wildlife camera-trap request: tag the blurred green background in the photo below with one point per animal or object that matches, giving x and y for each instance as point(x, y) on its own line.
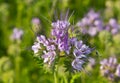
point(20, 66)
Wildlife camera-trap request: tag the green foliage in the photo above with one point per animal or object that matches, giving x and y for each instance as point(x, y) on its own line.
point(39, 61)
point(67, 65)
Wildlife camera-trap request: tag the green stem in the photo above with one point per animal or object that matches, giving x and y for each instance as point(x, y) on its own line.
point(17, 69)
point(74, 77)
point(17, 60)
point(65, 79)
point(55, 77)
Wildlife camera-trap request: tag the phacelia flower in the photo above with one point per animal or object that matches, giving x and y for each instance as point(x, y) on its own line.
point(73, 41)
point(112, 26)
point(82, 48)
point(109, 63)
point(117, 73)
point(92, 31)
point(91, 24)
point(41, 39)
point(61, 42)
point(93, 15)
point(49, 48)
point(49, 57)
point(78, 64)
point(91, 62)
point(36, 47)
point(17, 34)
point(60, 32)
point(36, 21)
point(80, 53)
point(110, 68)
point(36, 25)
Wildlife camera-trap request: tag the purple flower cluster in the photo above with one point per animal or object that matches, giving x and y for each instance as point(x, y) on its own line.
point(112, 26)
point(60, 32)
point(61, 42)
point(80, 53)
point(17, 34)
point(110, 68)
point(49, 52)
point(92, 24)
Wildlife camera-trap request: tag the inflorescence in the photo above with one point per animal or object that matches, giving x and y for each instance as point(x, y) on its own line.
point(61, 42)
point(110, 68)
point(17, 34)
point(92, 23)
